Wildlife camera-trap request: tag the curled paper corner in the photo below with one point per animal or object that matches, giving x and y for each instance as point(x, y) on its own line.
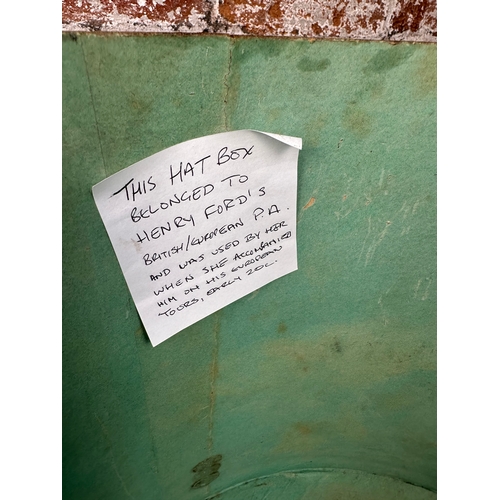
point(295, 142)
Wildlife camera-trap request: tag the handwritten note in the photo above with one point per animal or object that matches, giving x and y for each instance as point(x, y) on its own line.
point(202, 224)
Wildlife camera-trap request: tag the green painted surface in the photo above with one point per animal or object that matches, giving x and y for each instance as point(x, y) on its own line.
point(330, 368)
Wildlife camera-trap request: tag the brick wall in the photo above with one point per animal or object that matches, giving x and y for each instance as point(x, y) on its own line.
point(395, 20)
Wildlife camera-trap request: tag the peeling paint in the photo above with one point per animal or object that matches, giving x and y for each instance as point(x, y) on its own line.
point(309, 204)
point(397, 20)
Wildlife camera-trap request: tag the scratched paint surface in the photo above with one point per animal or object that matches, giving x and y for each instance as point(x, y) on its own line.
point(331, 368)
point(409, 20)
point(338, 484)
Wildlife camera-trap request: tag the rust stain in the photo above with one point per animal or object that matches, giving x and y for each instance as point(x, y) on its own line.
point(275, 11)
point(304, 437)
point(302, 428)
point(282, 328)
point(338, 17)
point(378, 15)
point(309, 204)
point(426, 75)
point(316, 28)
point(357, 120)
point(227, 10)
point(411, 15)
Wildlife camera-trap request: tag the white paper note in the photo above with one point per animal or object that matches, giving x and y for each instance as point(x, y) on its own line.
point(202, 224)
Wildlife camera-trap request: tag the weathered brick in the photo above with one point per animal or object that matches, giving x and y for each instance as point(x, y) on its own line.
point(409, 20)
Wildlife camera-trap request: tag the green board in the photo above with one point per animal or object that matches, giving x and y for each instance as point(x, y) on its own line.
point(321, 384)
